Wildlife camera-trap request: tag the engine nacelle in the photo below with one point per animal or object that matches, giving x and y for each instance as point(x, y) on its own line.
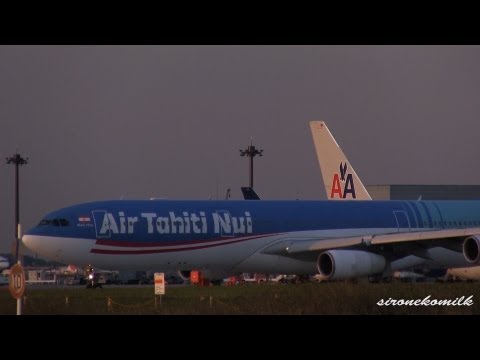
point(471, 249)
point(184, 274)
point(348, 264)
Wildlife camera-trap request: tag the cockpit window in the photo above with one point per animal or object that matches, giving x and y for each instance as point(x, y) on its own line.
point(54, 222)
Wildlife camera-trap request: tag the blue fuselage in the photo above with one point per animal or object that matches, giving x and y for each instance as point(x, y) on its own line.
point(224, 234)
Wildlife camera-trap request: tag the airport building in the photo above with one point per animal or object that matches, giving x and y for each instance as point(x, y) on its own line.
point(424, 192)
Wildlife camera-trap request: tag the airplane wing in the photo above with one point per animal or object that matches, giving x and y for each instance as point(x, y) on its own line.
point(292, 246)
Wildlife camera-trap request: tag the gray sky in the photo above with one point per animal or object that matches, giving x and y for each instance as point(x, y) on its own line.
point(111, 122)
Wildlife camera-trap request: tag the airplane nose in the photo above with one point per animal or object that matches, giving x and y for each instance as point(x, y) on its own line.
point(46, 246)
point(31, 242)
point(39, 244)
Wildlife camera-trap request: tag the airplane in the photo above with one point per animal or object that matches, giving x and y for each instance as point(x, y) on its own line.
point(339, 177)
point(4, 264)
point(337, 239)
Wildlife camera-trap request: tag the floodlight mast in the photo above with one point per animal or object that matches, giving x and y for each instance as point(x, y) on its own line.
point(251, 151)
point(17, 160)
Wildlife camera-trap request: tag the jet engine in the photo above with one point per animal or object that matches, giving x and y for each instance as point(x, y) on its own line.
point(471, 249)
point(184, 274)
point(348, 264)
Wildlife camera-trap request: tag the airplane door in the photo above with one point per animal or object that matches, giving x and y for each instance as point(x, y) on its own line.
point(224, 223)
point(402, 220)
point(102, 224)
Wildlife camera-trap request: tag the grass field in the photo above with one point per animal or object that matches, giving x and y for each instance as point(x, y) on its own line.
point(271, 299)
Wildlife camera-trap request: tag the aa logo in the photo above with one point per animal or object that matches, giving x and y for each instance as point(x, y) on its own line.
point(343, 185)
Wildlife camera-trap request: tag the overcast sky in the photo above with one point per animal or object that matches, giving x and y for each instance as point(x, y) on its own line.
point(111, 122)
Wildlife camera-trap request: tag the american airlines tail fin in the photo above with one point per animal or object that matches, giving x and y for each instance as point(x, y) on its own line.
point(340, 179)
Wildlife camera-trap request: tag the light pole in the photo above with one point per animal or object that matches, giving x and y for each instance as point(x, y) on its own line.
point(17, 160)
point(251, 152)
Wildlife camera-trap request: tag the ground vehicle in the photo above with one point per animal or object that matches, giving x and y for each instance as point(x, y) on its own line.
point(284, 279)
point(92, 277)
point(254, 278)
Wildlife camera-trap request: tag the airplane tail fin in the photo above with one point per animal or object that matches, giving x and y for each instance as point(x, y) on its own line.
point(340, 179)
point(249, 194)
